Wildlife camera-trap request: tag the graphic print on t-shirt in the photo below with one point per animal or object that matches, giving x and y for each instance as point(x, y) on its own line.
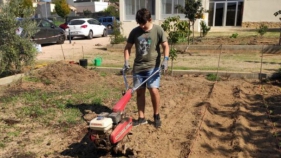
point(144, 45)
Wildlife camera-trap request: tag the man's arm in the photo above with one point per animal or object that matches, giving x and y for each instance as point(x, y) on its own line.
point(166, 49)
point(127, 52)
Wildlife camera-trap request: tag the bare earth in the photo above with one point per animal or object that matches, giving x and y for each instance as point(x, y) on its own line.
point(234, 118)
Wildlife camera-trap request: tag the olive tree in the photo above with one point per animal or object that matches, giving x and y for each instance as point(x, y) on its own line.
point(16, 51)
point(23, 4)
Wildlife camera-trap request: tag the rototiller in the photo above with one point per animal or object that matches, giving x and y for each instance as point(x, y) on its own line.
point(108, 130)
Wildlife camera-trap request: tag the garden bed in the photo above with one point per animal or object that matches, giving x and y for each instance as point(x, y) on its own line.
point(46, 114)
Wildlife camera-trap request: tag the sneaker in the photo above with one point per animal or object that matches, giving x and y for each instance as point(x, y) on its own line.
point(157, 121)
point(140, 121)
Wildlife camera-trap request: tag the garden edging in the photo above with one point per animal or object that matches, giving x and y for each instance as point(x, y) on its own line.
point(213, 48)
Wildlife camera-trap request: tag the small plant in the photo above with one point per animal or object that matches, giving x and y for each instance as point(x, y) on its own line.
point(262, 29)
point(234, 35)
point(117, 37)
point(205, 29)
point(173, 55)
point(2, 145)
point(212, 77)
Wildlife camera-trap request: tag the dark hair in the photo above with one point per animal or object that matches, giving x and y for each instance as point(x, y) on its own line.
point(143, 15)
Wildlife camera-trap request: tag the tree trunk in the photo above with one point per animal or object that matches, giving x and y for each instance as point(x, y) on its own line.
point(188, 38)
point(193, 31)
point(172, 65)
point(280, 38)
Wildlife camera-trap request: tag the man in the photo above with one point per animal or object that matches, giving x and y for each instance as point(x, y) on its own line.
point(147, 38)
point(63, 26)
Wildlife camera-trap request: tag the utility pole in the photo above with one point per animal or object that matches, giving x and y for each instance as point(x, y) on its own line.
point(46, 9)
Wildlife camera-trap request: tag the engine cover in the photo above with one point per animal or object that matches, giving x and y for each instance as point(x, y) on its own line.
point(101, 123)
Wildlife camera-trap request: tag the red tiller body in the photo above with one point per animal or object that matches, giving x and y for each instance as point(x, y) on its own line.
point(121, 104)
point(121, 130)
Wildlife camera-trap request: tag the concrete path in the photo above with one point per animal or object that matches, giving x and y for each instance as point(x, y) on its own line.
point(72, 50)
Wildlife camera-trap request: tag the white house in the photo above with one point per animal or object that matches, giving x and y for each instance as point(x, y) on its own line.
point(222, 13)
point(91, 5)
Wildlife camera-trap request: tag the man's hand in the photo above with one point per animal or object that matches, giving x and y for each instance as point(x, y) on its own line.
point(126, 65)
point(164, 65)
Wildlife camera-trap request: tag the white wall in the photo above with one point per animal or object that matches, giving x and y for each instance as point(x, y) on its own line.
point(254, 11)
point(261, 10)
point(100, 6)
point(92, 6)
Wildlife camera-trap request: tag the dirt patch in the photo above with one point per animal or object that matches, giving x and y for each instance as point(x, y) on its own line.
point(201, 118)
point(247, 40)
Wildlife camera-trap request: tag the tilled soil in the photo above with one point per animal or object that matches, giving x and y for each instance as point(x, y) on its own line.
point(200, 118)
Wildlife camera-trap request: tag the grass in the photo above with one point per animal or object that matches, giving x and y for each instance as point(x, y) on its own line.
point(63, 107)
point(212, 77)
point(50, 110)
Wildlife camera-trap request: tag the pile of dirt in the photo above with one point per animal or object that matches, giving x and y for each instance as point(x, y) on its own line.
point(62, 73)
point(57, 76)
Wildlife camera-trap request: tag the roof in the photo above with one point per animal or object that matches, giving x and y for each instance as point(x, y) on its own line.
point(82, 19)
point(72, 8)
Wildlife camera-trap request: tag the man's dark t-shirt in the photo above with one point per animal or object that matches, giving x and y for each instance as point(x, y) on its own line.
point(147, 44)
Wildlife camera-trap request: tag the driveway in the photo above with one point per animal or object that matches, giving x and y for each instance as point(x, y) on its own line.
point(77, 49)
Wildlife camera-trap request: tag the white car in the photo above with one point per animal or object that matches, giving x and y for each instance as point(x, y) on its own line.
point(85, 27)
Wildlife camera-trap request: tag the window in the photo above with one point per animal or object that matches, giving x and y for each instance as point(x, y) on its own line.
point(44, 24)
point(109, 19)
point(132, 6)
point(225, 13)
point(96, 22)
point(81, 1)
point(168, 8)
point(76, 22)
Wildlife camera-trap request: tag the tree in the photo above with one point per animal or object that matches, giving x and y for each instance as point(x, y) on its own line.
point(177, 30)
point(62, 8)
point(16, 51)
point(27, 4)
point(111, 10)
point(116, 2)
point(23, 4)
point(193, 10)
point(87, 13)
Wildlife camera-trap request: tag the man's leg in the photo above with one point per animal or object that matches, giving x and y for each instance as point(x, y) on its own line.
point(141, 101)
point(155, 99)
point(153, 86)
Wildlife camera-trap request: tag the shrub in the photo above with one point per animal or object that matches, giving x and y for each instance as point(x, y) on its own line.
point(205, 29)
point(177, 30)
point(262, 29)
point(212, 77)
point(117, 37)
point(235, 35)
